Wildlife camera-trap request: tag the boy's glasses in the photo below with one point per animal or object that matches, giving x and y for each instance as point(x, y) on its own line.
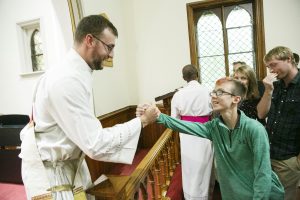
point(218, 93)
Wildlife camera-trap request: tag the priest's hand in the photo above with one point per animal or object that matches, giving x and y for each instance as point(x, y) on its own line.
point(149, 115)
point(140, 109)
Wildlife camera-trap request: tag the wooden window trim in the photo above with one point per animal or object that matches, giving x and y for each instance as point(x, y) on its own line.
point(258, 26)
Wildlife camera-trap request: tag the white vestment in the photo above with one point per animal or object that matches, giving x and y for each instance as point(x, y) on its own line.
point(65, 126)
point(196, 152)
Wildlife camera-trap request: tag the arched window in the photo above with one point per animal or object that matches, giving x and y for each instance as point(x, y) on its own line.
point(37, 55)
point(239, 28)
point(223, 32)
point(210, 47)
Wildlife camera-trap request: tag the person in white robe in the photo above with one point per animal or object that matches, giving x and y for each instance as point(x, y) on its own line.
point(192, 103)
point(65, 125)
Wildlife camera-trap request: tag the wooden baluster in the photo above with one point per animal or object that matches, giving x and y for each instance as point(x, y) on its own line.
point(143, 189)
point(166, 165)
point(157, 179)
point(163, 177)
point(176, 139)
point(171, 169)
point(136, 195)
point(152, 183)
point(174, 152)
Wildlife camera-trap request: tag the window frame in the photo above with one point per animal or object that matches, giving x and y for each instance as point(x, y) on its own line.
point(258, 30)
point(24, 31)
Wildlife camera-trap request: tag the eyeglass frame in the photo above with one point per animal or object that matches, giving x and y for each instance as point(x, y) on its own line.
point(109, 47)
point(221, 93)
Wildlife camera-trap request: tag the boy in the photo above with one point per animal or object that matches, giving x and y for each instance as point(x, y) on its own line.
point(241, 145)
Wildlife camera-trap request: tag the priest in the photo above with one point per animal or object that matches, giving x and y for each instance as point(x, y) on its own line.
point(64, 128)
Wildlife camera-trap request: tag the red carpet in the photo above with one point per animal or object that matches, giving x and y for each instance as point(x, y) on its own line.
point(17, 192)
point(126, 170)
point(12, 192)
point(175, 191)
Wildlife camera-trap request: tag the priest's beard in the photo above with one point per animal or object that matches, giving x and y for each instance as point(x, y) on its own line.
point(97, 64)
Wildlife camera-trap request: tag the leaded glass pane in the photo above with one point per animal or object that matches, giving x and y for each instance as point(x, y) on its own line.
point(39, 62)
point(238, 17)
point(37, 51)
point(38, 48)
point(210, 48)
point(212, 68)
point(246, 57)
point(240, 40)
point(240, 37)
point(210, 35)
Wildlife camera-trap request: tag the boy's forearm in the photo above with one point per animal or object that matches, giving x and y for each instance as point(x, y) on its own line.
point(190, 128)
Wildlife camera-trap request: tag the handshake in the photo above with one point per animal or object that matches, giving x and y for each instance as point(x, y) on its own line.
point(148, 113)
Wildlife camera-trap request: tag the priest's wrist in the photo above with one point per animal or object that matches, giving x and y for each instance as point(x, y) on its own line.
point(144, 121)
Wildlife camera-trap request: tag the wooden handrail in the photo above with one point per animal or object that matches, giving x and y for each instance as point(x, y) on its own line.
point(142, 170)
point(165, 96)
point(155, 169)
point(153, 174)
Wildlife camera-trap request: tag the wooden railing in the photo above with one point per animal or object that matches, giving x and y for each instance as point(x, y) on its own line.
point(149, 136)
point(166, 99)
point(151, 177)
point(155, 170)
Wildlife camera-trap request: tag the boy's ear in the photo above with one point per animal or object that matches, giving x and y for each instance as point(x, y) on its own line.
point(237, 99)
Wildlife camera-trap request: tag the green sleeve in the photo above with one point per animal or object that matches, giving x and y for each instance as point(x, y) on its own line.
point(191, 128)
point(261, 162)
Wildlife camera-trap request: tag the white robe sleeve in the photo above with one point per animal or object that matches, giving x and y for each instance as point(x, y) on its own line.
point(69, 101)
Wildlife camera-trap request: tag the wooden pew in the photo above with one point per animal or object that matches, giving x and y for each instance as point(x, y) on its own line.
point(11, 183)
point(166, 98)
point(10, 167)
point(10, 127)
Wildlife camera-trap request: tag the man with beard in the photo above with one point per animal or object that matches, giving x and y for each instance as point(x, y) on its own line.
point(65, 126)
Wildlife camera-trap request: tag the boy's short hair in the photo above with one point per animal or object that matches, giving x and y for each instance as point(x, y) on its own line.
point(238, 88)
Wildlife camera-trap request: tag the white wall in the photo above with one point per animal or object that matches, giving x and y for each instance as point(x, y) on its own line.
point(146, 49)
point(163, 45)
point(152, 47)
point(113, 87)
point(16, 90)
point(282, 24)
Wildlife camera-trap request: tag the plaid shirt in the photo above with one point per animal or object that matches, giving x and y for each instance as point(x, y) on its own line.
point(283, 123)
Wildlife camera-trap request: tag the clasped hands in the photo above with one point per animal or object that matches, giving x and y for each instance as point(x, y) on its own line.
point(148, 113)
